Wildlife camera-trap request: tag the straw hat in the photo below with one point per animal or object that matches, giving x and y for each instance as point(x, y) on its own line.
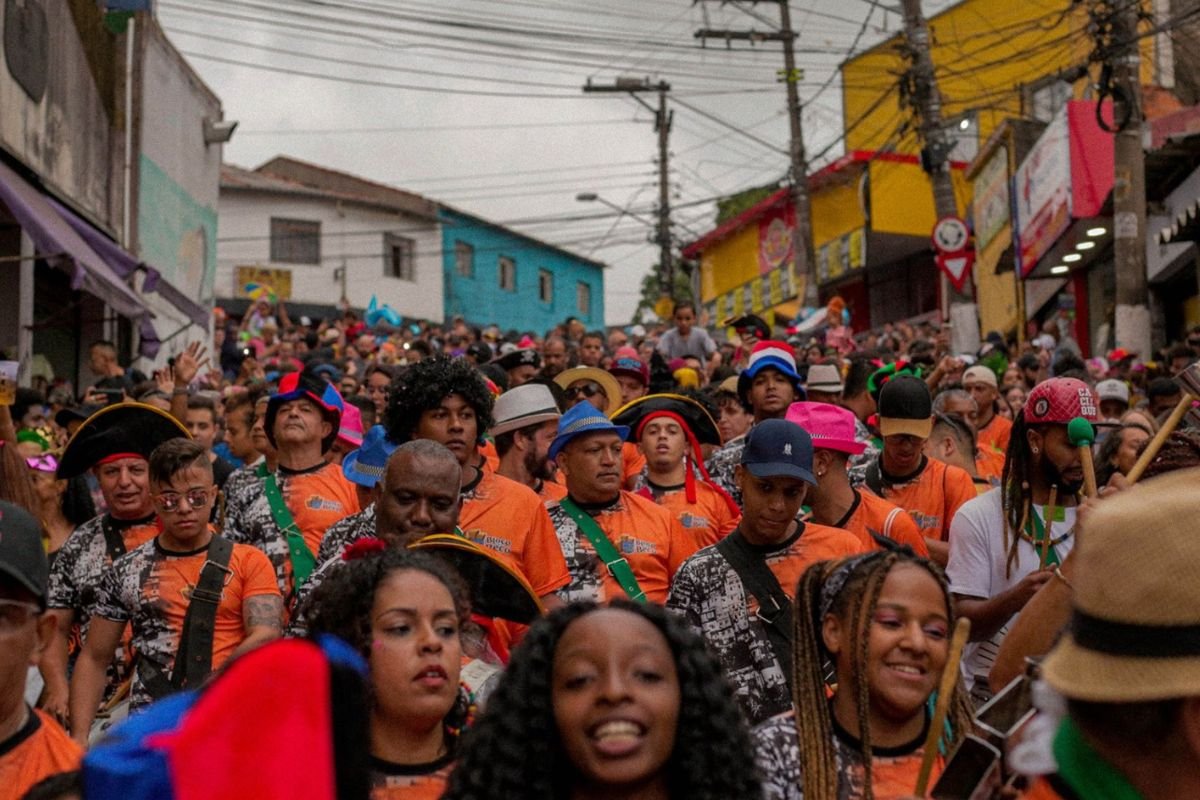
point(1135, 634)
point(607, 383)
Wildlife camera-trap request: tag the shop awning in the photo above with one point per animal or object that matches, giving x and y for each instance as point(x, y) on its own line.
point(125, 265)
point(1185, 228)
point(58, 244)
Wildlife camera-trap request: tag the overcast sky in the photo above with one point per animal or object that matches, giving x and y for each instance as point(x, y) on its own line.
point(478, 103)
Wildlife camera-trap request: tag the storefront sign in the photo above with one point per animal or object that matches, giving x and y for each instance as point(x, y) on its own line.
point(278, 281)
point(841, 256)
point(775, 239)
point(991, 207)
point(756, 296)
point(1043, 194)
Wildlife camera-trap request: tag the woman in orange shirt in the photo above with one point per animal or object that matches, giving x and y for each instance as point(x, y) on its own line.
point(403, 611)
point(884, 620)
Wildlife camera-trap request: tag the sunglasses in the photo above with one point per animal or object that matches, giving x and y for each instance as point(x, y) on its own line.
point(46, 462)
point(196, 498)
point(588, 390)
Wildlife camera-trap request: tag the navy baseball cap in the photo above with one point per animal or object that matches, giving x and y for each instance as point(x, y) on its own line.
point(776, 447)
point(22, 554)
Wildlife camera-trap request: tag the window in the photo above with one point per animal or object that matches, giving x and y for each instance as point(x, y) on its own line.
point(546, 286)
point(508, 274)
point(295, 241)
point(464, 259)
point(583, 299)
point(399, 257)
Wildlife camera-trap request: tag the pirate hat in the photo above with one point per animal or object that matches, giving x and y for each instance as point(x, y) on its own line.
point(525, 356)
point(1135, 632)
point(496, 590)
point(689, 412)
point(296, 385)
point(122, 430)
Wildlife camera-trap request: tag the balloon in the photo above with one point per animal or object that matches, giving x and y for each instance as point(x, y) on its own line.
point(375, 315)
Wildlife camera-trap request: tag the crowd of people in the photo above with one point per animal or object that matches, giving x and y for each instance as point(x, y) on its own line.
point(675, 561)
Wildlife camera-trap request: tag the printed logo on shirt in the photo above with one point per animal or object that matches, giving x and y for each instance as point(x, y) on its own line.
point(491, 542)
point(692, 521)
point(321, 504)
point(926, 521)
point(628, 545)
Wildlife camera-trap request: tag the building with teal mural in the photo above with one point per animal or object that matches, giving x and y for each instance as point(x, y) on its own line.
point(494, 274)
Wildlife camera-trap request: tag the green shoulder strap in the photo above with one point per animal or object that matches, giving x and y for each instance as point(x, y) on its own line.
point(303, 560)
point(617, 565)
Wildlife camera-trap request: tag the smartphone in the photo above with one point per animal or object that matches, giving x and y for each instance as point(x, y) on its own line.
point(973, 772)
point(112, 395)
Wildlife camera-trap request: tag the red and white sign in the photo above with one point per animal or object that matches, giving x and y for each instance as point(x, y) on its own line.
point(957, 267)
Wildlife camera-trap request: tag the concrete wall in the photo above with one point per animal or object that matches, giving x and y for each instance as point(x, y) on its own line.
point(178, 174)
point(351, 235)
point(479, 298)
point(66, 136)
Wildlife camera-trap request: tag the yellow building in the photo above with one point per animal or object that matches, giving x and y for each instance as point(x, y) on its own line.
point(872, 210)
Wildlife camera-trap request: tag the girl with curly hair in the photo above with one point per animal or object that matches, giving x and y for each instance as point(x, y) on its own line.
point(883, 620)
point(403, 611)
point(615, 701)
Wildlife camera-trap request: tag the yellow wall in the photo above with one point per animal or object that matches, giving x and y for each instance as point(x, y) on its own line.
point(729, 263)
point(983, 50)
point(836, 211)
point(902, 198)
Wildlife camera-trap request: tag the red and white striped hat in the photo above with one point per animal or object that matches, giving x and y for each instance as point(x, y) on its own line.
point(776, 355)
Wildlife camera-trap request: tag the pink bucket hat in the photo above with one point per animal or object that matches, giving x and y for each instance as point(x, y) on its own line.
point(350, 431)
point(831, 427)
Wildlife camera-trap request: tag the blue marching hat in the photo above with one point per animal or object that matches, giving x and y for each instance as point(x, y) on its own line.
point(580, 419)
point(366, 465)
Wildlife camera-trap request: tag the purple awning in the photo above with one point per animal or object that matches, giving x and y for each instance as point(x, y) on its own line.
point(60, 245)
point(125, 265)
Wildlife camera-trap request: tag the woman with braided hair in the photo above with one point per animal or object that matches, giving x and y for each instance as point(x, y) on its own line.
point(617, 702)
point(883, 620)
point(403, 611)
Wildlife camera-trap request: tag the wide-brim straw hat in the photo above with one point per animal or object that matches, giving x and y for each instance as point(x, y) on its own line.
point(1135, 633)
point(608, 384)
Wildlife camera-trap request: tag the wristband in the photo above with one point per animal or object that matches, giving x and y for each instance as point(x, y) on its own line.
point(180, 391)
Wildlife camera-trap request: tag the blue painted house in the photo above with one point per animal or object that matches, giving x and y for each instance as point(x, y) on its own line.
point(496, 275)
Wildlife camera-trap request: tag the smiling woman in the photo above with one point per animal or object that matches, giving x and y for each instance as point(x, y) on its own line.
point(883, 620)
point(614, 701)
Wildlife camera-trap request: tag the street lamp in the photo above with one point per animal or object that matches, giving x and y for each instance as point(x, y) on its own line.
point(592, 197)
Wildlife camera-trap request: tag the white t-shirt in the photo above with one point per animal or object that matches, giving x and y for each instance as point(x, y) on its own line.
point(977, 567)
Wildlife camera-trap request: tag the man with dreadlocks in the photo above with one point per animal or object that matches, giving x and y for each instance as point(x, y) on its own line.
point(883, 620)
point(448, 401)
point(1006, 544)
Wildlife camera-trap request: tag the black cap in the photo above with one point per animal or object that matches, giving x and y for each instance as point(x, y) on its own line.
point(905, 407)
point(480, 351)
point(133, 428)
point(22, 554)
point(778, 448)
point(66, 416)
point(751, 322)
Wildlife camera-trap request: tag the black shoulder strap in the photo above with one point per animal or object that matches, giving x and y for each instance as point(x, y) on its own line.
point(193, 661)
point(114, 542)
point(774, 606)
point(874, 478)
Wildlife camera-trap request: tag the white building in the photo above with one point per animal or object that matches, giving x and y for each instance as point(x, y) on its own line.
point(324, 239)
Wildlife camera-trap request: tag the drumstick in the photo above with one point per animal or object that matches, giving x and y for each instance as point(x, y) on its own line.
point(1083, 436)
point(958, 641)
point(1050, 512)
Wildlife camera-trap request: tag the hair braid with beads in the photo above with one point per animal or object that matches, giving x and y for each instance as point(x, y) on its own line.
point(1015, 497)
point(855, 603)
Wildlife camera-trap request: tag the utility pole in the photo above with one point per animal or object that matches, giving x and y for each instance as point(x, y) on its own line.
point(958, 307)
point(662, 126)
point(1129, 181)
point(804, 257)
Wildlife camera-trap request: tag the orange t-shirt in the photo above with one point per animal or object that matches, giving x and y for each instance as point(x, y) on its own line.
point(151, 589)
point(932, 496)
point(491, 459)
point(708, 520)
point(38, 750)
point(817, 543)
point(317, 499)
point(633, 461)
point(509, 518)
point(645, 534)
point(551, 491)
point(874, 515)
point(989, 463)
point(996, 434)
